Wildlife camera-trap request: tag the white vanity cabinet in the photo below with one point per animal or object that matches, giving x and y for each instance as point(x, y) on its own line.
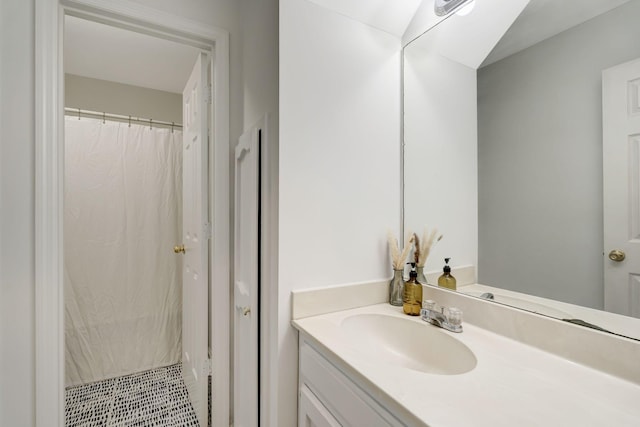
point(312, 413)
point(329, 398)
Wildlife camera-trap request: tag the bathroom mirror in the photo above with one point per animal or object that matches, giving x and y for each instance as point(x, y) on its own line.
point(503, 153)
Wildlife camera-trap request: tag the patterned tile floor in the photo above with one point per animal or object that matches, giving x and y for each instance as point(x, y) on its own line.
point(152, 398)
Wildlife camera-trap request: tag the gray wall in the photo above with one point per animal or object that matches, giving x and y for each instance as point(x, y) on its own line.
point(110, 97)
point(540, 160)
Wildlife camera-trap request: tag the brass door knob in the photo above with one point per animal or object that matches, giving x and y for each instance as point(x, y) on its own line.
point(617, 255)
point(178, 249)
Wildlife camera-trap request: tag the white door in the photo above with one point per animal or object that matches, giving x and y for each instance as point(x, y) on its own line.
point(195, 232)
point(245, 295)
point(621, 172)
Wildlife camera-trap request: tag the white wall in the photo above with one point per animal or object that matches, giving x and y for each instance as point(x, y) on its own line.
point(540, 160)
point(440, 162)
point(117, 98)
point(17, 333)
point(259, 26)
point(339, 161)
point(17, 375)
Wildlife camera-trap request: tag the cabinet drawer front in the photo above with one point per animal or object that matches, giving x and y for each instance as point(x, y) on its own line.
point(345, 400)
point(312, 412)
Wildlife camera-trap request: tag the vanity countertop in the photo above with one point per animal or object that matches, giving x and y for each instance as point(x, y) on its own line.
point(616, 323)
point(513, 384)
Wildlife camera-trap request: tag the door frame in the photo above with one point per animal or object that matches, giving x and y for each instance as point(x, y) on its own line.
point(248, 141)
point(49, 191)
point(268, 273)
point(265, 130)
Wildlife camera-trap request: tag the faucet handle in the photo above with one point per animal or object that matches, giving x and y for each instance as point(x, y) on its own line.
point(454, 316)
point(429, 304)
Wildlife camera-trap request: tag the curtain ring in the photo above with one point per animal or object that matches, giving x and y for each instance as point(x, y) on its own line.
point(129, 121)
point(104, 117)
point(150, 123)
point(172, 127)
point(78, 114)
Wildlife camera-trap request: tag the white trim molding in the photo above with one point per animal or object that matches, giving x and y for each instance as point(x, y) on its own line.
point(49, 191)
point(49, 333)
point(269, 344)
point(221, 256)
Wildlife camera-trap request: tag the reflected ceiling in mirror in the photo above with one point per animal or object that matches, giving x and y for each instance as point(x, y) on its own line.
point(503, 152)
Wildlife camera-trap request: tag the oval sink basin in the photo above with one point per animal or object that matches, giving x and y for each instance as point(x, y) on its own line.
point(409, 344)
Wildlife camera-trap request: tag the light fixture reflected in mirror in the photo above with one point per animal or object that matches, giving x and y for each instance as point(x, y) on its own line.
point(445, 7)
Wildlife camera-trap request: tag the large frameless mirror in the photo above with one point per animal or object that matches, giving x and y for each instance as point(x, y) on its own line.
point(519, 145)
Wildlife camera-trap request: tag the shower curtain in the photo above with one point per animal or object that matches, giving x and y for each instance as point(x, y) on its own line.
point(122, 217)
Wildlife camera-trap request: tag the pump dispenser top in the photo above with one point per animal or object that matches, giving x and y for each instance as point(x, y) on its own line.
point(413, 274)
point(446, 268)
point(446, 280)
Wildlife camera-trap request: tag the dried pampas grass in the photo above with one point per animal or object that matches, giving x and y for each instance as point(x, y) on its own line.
point(429, 238)
point(397, 257)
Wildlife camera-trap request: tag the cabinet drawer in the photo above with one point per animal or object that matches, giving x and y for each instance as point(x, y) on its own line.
point(312, 412)
point(350, 405)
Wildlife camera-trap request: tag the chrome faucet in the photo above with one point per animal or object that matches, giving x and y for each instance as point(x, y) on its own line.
point(447, 318)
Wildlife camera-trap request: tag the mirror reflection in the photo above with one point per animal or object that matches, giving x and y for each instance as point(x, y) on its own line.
point(521, 144)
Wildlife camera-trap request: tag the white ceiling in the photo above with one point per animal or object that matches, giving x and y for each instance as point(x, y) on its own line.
point(542, 19)
point(108, 53)
point(468, 39)
point(392, 16)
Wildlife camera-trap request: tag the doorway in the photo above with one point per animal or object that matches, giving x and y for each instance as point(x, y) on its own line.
point(136, 336)
point(50, 134)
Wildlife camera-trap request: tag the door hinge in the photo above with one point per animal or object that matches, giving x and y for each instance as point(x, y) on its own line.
point(207, 230)
point(208, 367)
point(207, 96)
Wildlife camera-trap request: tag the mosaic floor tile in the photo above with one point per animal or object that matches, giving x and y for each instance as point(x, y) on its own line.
point(90, 391)
point(88, 413)
point(152, 398)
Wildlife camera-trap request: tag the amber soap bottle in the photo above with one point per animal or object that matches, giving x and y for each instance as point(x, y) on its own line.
point(412, 300)
point(446, 280)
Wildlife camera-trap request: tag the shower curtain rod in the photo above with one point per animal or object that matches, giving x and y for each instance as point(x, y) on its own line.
point(119, 117)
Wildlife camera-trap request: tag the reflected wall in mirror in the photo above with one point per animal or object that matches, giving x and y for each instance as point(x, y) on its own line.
point(503, 152)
